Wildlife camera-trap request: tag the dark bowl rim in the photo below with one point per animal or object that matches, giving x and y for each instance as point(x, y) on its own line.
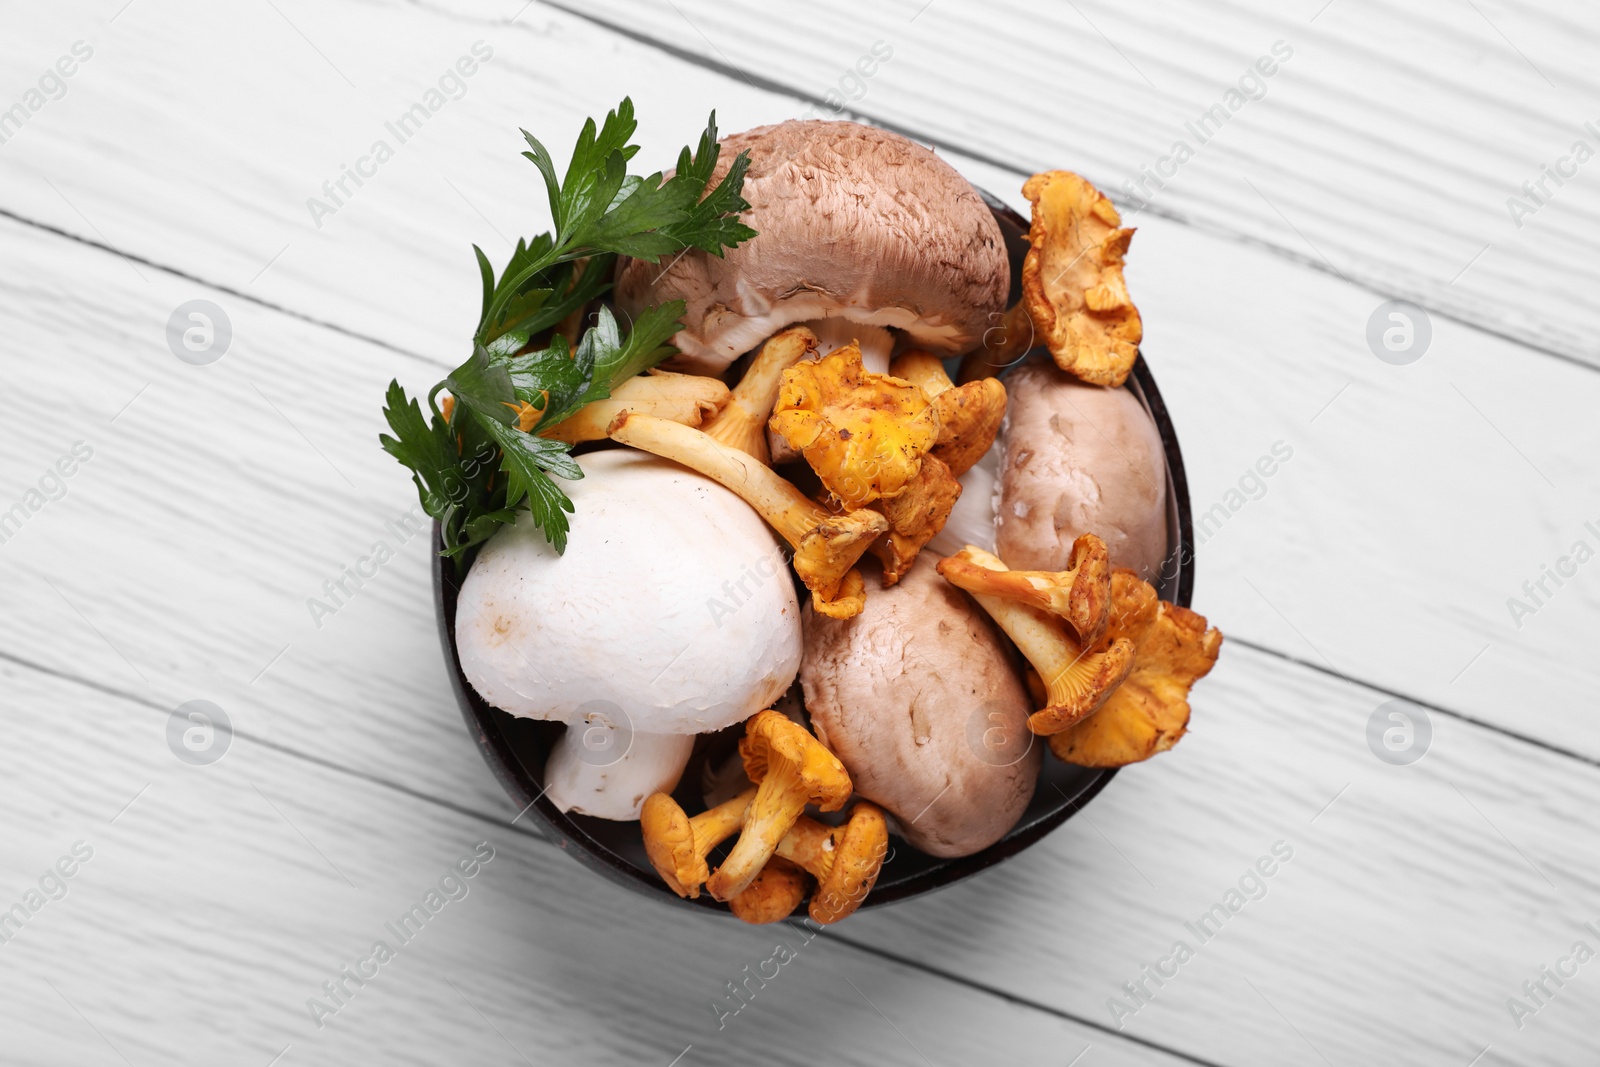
point(487, 726)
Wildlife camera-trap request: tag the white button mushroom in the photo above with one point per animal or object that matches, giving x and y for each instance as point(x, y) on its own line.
point(853, 223)
point(672, 613)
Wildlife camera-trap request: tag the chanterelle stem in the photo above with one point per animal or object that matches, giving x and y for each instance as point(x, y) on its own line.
point(785, 508)
point(812, 845)
point(685, 398)
point(715, 825)
point(924, 370)
point(1038, 635)
point(1077, 681)
point(780, 799)
point(742, 424)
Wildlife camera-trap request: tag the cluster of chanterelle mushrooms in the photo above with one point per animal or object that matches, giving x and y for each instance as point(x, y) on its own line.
point(975, 558)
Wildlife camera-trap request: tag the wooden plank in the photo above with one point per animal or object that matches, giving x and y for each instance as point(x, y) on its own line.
point(225, 567)
point(206, 610)
point(1415, 904)
point(1441, 866)
point(1428, 447)
point(1369, 551)
point(1399, 199)
point(1385, 148)
point(232, 892)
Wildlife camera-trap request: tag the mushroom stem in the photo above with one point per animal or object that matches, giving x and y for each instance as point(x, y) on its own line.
point(678, 845)
point(826, 546)
point(779, 800)
point(1081, 594)
point(923, 370)
point(812, 845)
point(786, 509)
point(845, 860)
point(875, 342)
point(1002, 346)
point(742, 423)
point(684, 398)
point(600, 770)
point(1077, 679)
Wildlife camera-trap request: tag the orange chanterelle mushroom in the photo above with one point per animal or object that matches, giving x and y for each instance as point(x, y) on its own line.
point(969, 415)
point(885, 442)
point(864, 434)
point(1074, 299)
point(776, 892)
point(678, 845)
point(1033, 610)
point(791, 769)
point(845, 860)
point(1149, 712)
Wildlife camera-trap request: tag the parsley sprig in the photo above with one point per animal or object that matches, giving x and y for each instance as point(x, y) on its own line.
point(477, 463)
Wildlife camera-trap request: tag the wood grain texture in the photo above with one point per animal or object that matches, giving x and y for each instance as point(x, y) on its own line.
point(366, 693)
point(217, 903)
point(1415, 903)
point(1384, 150)
point(1467, 868)
point(220, 498)
point(1418, 500)
point(1385, 504)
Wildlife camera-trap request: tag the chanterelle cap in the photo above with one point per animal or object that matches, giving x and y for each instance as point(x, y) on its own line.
point(853, 222)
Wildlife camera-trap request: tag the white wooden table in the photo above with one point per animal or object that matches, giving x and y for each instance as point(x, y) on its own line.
point(175, 562)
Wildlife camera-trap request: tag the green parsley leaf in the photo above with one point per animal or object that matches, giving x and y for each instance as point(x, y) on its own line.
point(476, 469)
point(428, 450)
point(484, 384)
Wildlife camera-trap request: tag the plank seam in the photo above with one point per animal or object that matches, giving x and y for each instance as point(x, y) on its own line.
point(293, 753)
point(534, 835)
point(1440, 709)
point(760, 81)
point(237, 294)
point(344, 331)
point(1013, 998)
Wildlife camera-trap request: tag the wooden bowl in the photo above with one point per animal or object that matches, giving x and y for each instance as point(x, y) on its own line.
point(515, 748)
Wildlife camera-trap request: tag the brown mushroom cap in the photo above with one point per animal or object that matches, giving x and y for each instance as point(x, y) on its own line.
point(919, 697)
point(1078, 459)
point(853, 222)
